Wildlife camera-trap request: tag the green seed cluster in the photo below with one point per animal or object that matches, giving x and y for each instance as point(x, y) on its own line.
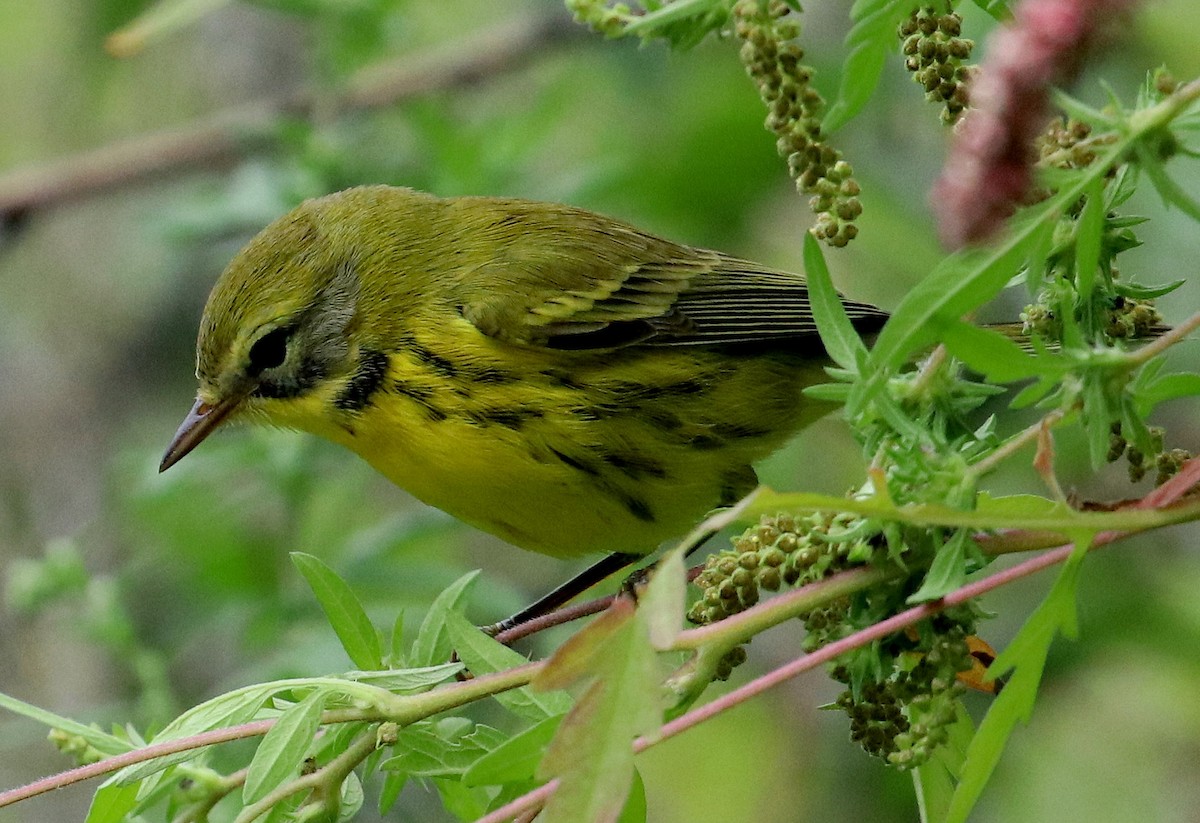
point(934, 52)
point(600, 17)
point(907, 716)
point(1065, 144)
point(1127, 319)
point(781, 550)
point(1131, 319)
point(75, 746)
point(773, 61)
point(1165, 462)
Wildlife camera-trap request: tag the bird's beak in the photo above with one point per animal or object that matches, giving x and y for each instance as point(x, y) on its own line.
point(200, 422)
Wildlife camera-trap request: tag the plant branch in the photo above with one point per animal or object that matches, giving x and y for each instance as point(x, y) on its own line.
point(223, 138)
point(324, 781)
point(1161, 344)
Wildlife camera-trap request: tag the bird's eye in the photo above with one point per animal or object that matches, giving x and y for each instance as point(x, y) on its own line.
point(270, 350)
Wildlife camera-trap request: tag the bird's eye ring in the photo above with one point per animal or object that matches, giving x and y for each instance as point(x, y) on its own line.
point(270, 350)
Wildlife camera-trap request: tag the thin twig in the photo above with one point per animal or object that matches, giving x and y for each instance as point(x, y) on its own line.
point(1168, 339)
point(222, 138)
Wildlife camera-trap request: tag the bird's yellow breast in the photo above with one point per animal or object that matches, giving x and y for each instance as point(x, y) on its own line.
point(559, 452)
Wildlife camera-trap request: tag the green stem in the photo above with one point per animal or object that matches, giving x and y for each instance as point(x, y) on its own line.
point(324, 782)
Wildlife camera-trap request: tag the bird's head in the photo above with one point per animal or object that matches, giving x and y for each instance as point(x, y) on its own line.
point(279, 322)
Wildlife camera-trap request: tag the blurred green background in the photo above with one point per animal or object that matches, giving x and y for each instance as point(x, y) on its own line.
point(130, 596)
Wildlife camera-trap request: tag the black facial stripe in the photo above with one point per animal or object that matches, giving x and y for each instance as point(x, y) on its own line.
point(367, 379)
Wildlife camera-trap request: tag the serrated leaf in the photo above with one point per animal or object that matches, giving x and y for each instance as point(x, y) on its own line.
point(516, 759)
point(592, 754)
point(483, 655)
point(343, 610)
point(284, 747)
point(432, 645)
point(841, 341)
point(1025, 657)
point(446, 747)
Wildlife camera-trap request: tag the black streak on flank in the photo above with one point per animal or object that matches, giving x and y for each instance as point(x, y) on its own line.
point(420, 395)
point(513, 418)
point(638, 508)
point(364, 383)
point(635, 466)
point(562, 379)
point(436, 363)
point(578, 465)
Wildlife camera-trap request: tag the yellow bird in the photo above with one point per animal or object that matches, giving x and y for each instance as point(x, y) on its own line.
point(552, 376)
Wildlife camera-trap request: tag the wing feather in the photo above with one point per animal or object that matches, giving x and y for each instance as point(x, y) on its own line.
point(581, 281)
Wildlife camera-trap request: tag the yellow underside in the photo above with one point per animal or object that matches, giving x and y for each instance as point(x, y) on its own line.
point(562, 480)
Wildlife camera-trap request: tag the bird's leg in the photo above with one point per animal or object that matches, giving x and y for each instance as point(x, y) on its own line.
point(593, 574)
point(602, 569)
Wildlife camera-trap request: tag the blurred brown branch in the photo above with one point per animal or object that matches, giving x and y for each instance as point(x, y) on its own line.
point(225, 136)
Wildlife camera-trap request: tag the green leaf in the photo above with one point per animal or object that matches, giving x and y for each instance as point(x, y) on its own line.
point(934, 782)
point(842, 342)
point(1143, 292)
point(1097, 414)
point(592, 754)
point(461, 801)
point(965, 281)
point(446, 747)
point(350, 797)
point(407, 681)
point(991, 353)
point(112, 804)
point(515, 759)
point(1033, 393)
point(1026, 658)
point(635, 810)
point(1167, 387)
point(828, 392)
point(230, 709)
point(947, 572)
point(396, 655)
point(104, 742)
point(393, 784)
point(432, 645)
point(869, 42)
point(860, 77)
point(483, 655)
point(343, 610)
point(1088, 235)
point(1168, 189)
point(284, 747)
point(664, 601)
